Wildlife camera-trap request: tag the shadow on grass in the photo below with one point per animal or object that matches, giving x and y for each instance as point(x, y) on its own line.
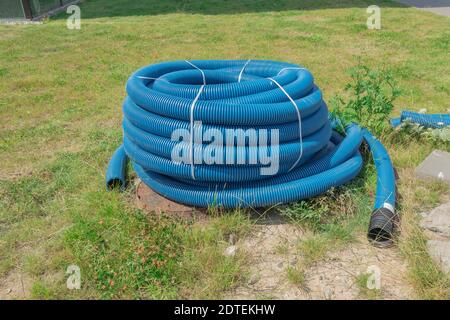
point(122, 8)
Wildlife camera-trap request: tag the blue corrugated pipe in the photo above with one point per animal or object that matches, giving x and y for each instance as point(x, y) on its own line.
point(243, 95)
point(435, 121)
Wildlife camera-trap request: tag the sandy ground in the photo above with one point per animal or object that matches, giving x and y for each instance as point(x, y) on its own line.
point(331, 278)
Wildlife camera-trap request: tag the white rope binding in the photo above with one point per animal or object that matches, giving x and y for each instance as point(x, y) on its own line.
point(191, 118)
point(203, 74)
point(290, 68)
point(299, 121)
point(242, 70)
point(147, 78)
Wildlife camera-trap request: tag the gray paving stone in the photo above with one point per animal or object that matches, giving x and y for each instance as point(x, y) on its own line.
point(436, 165)
point(440, 252)
point(438, 220)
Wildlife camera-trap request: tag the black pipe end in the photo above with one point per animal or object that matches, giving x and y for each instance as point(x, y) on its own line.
point(382, 225)
point(115, 183)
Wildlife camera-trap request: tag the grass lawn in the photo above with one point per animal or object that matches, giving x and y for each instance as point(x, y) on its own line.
point(60, 107)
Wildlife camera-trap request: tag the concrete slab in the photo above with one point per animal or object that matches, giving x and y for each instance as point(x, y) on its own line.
point(436, 165)
point(438, 220)
point(437, 223)
point(440, 7)
point(440, 252)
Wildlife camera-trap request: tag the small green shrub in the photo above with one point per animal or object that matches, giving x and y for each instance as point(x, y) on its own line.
point(370, 100)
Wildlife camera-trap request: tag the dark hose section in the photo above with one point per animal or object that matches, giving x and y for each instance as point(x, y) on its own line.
point(384, 218)
point(116, 173)
point(435, 121)
point(240, 95)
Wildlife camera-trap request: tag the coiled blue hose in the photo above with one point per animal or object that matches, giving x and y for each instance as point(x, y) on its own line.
point(435, 121)
point(243, 95)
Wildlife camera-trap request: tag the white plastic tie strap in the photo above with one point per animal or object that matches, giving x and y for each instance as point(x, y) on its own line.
point(289, 68)
point(203, 74)
point(147, 78)
point(242, 70)
point(299, 121)
point(191, 118)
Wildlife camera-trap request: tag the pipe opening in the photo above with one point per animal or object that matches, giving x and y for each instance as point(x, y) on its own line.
point(115, 183)
point(380, 237)
point(381, 227)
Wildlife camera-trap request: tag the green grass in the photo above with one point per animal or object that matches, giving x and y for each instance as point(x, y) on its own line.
point(429, 281)
point(296, 276)
point(60, 103)
point(334, 219)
